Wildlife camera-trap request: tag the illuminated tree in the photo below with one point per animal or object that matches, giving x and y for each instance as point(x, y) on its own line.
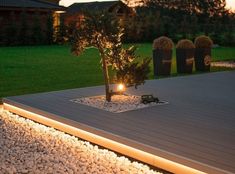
point(133, 3)
point(102, 31)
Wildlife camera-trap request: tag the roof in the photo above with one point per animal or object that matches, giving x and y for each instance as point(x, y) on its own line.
point(30, 4)
point(97, 6)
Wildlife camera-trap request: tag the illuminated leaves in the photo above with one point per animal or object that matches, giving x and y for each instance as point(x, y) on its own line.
point(102, 30)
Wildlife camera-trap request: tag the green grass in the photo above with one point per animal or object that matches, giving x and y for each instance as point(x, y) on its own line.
point(25, 70)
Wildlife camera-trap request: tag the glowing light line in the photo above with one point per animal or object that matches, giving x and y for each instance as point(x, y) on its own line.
point(107, 143)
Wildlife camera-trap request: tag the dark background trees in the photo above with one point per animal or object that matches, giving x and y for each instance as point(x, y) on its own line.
point(177, 19)
point(182, 19)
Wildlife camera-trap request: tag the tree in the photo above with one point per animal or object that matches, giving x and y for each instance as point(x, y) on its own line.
point(102, 30)
point(229, 38)
point(205, 7)
point(194, 26)
point(184, 27)
point(129, 72)
point(133, 3)
point(200, 14)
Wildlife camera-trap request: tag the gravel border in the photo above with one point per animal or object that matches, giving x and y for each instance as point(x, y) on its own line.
point(226, 64)
point(119, 103)
point(29, 147)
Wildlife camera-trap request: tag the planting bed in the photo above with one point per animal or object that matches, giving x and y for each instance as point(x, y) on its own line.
point(119, 103)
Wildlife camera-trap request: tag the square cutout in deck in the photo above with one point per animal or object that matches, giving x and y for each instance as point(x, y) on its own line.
point(119, 103)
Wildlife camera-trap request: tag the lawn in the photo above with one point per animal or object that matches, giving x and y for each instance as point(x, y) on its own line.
point(25, 70)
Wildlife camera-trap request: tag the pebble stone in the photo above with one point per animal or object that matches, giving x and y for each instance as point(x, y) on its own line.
point(226, 64)
point(119, 103)
point(29, 147)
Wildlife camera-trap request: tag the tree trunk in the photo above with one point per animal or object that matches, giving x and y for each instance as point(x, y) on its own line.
point(106, 76)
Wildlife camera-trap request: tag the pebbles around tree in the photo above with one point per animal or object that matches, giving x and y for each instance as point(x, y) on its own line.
point(119, 103)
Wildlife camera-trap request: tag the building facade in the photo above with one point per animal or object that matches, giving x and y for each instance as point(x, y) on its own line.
point(19, 15)
point(75, 12)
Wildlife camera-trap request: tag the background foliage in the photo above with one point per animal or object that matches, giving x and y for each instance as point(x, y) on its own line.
point(180, 19)
point(177, 19)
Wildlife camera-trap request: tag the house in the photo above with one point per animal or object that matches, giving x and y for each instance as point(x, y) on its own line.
point(43, 7)
point(52, 1)
point(76, 11)
point(11, 12)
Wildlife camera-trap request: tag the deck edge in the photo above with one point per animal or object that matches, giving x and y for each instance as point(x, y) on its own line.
point(122, 148)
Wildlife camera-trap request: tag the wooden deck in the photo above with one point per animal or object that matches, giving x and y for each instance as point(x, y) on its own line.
point(196, 129)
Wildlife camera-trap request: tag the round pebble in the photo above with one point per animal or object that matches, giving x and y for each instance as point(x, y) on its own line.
point(119, 103)
point(29, 147)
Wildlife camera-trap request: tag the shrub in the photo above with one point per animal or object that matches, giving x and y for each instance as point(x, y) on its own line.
point(185, 44)
point(163, 43)
point(203, 42)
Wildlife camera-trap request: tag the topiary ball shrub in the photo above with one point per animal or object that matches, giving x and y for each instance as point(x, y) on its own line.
point(185, 44)
point(203, 42)
point(163, 43)
point(185, 56)
point(162, 56)
point(203, 58)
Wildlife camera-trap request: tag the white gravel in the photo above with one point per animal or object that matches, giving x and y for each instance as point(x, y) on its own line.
point(119, 103)
point(227, 64)
point(29, 147)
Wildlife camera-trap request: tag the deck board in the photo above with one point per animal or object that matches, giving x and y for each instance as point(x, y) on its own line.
point(197, 124)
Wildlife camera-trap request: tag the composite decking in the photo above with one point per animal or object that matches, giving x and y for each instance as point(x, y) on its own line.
point(196, 128)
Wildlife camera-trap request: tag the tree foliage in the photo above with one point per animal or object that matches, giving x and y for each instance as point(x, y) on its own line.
point(102, 31)
point(204, 7)
point(181, 19)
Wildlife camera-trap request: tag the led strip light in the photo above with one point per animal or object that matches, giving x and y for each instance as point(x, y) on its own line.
point(109, 144)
